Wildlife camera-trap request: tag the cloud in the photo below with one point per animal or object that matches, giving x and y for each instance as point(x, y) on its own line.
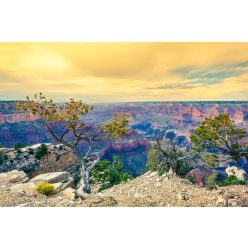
point(108, 72)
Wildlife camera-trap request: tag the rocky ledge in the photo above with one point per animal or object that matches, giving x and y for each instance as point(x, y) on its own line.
point(148, 190)
point(58, 158)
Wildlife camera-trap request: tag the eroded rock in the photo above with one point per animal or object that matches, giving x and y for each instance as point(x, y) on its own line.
point(235, 171)
point(52, 177)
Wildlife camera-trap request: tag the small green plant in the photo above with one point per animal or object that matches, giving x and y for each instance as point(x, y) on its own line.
point(107, 174)
point(57, 157)
point(211, 182)
point(230, 180)
point(41, 151)
point(191, 178)
point(45, 188)
point(31, 151)
point(152, 160)
point(18, 151)
point(162, 170)
point(3, 157)
point(77, 177)
point(18, 145)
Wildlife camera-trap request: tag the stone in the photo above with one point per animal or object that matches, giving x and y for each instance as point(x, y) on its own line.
point(68, 194)
point(96, 199)
point(138, 195)
point(199, 175)
point(60, 186)
point(222, 201)
point(232, 202)
point(180, 196)
point(22, 205)
point(28, 188)
point(16, 176)
point(63, 203)
point(235, 171)
point(52, 177)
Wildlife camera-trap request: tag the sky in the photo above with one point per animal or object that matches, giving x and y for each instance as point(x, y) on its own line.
point(124, 72)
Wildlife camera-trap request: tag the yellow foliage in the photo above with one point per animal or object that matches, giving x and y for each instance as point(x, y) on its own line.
point(45, 188)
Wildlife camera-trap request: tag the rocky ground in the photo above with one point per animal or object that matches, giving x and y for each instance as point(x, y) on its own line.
point(148, 190)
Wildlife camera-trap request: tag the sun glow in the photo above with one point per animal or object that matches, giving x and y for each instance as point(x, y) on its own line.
point(114, 72)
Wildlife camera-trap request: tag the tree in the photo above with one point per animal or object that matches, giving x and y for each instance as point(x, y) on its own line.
point(219, 140)
point(107, 174)
point(165, 155)
point(66, 127)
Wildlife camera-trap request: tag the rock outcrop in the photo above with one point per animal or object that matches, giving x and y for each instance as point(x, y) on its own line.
point(13, 177)
point(199, 175)
point(58, 158)
point(148, 190)
point(235, 171)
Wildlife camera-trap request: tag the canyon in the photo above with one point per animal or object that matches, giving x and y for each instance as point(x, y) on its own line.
point(146, 120)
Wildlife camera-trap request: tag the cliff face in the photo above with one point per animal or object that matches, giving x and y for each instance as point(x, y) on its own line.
point(58, 158)
point(8, 114)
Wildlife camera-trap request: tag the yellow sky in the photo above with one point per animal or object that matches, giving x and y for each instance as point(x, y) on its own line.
point(117, 72)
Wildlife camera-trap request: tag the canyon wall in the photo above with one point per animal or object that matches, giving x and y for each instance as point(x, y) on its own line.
point(147, 119)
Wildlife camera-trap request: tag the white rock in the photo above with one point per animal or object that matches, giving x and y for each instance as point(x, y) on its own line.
point(52, 177)
point(235, 171)
point(28, 188)
point(68, 194)
point(180, 196)
point(62, 186)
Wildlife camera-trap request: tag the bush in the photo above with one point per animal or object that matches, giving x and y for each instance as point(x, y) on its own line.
point(18, 145)
point(19, 151)
point(191, 178)
point(108, 174)
point(41, 151)
point(157, 161)
point(230, 180)
point(45, 188)
point(153, 159)
point(211, 182)
point(3, 157)
point(31, 151)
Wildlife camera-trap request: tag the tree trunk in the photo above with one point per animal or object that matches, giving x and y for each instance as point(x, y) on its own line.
point(84, 186)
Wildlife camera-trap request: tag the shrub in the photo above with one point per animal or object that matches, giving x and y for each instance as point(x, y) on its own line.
point(41, 151)
point(45, 188)
point(230, 180)
point(3, 157)
point(191, 178)
point(19, 151)
point(108, 174)
point(161, 170)
point(77, 177)
point(18, 145)
point(153, 159)
point(211, 182)
point(167, 155)
point(31, 151)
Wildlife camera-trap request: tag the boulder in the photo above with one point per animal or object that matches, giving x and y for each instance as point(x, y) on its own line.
point(62, 185)
point(68, 194)
point(52, 177)
point(199, 175)
point(235, 171)
point(13, 177)
point(27, 188)
point(66, 203)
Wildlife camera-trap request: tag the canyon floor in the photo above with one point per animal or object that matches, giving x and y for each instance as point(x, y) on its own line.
point(148, 190)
